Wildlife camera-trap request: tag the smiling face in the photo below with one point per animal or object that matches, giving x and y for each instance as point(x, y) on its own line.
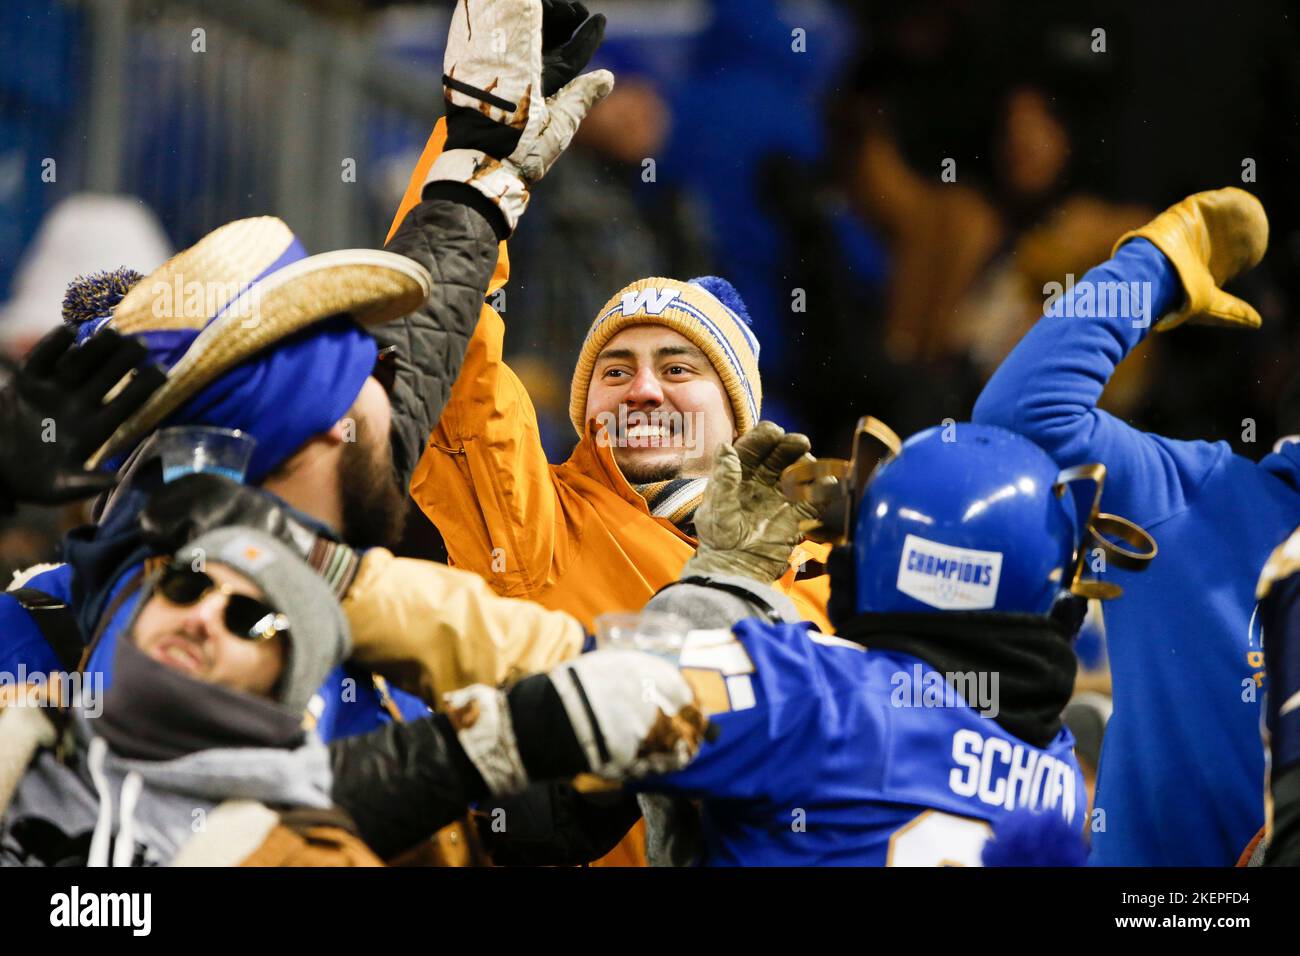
point(663, 405)
point(194, 639)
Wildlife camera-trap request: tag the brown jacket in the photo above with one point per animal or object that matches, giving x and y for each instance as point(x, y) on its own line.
point(247, 833)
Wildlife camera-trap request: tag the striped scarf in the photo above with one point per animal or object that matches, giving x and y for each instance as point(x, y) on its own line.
point(675, 500)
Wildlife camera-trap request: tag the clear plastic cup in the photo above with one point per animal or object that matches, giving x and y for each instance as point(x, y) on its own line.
point(654, 632)
point(187, 449)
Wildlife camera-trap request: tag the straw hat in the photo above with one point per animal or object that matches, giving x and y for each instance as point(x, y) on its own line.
point(242, 288)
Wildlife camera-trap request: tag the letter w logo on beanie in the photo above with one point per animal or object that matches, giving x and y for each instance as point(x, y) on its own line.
point(651, 301)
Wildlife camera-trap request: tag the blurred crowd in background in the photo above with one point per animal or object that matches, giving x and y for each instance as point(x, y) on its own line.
point(799, 149)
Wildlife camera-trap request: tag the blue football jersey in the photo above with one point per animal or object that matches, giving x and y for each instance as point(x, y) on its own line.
point(831, 754)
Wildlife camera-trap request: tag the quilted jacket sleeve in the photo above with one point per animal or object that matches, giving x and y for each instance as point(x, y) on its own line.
point(452, 235)
point(403, 782)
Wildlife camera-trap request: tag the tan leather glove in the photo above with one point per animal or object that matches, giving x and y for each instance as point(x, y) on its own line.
point(1209, 237)
point(430, 629)
point(746, 526)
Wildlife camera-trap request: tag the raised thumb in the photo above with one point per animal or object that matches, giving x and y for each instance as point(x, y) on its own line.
point(576, 98)
point(1225, 309)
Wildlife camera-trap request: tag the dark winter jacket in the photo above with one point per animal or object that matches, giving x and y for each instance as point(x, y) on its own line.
point(454, 234)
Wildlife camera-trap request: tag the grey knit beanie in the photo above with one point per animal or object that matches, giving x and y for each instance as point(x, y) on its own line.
point(319, 639)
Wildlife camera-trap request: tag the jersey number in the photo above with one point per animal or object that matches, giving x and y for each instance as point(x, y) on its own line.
point(938, 839)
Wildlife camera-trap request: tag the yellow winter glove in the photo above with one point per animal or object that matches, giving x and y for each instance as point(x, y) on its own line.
point(1209, 237)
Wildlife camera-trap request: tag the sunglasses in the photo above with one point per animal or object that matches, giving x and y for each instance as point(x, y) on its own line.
point(245, 617)
point(385, 370)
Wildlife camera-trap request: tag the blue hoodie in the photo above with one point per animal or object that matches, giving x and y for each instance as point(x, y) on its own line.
point(1182, 770)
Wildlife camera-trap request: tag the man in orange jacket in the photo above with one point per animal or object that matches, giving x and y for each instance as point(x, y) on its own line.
point(658, 388)
point(668, 373)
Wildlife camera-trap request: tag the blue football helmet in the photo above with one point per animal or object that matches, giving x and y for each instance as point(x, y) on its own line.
point(961, 517)
point(965, 518)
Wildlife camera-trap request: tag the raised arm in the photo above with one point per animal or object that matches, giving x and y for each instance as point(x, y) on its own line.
point(1164, 274)
point(454, 232)
point(500, 139)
